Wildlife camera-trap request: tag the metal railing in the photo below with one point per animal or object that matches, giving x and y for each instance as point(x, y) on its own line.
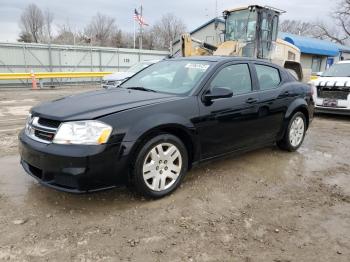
point(65, 64)
point(42, 75)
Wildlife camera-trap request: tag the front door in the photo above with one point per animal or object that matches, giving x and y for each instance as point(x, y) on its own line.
point(229, 124)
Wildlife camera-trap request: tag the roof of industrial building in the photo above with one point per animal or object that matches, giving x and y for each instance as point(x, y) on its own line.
point(344, 48)
point(308, 45)
point(214, 20)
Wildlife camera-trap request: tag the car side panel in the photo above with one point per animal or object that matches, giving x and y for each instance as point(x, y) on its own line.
point(273, 105)
point(132, 125)
point(301, 102)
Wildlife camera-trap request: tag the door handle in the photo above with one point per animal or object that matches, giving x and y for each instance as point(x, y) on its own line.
point(286, 93)
point(251, 100)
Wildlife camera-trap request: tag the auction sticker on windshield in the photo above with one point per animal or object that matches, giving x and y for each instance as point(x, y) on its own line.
point(201, 67)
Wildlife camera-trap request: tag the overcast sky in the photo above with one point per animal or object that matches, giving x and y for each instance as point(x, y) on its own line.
point(194, 13)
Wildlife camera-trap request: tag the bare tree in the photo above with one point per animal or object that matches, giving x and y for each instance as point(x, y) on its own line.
point(150, 41)
point(65, 35)
point(48, 19)
point(128, 40)
point(167, 30)
point(25, 37)
point(101, 29)
point(117, 38)
point(32, 23)
point(339, 32)
point(297, 27)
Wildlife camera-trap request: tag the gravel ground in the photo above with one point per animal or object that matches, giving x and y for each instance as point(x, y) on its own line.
point(266, 205)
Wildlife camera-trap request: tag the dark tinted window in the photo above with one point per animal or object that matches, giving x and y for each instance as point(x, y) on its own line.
point(235, 77)
point(269, 77)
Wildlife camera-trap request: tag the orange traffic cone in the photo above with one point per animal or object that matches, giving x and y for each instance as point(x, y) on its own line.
point(34, 85)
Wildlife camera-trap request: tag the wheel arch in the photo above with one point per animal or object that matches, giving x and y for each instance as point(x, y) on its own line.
point(299, 105)
point(187, 136)
point(296, 106)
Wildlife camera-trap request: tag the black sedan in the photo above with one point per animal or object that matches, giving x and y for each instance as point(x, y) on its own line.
point(165, 119)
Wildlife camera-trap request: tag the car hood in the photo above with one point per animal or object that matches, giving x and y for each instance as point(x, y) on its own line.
point(117, 76)
point(332, 81)
point(95, 104)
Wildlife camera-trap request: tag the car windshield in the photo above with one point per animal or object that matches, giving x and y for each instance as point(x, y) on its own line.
point(169, 76)
point(338, 70)
point(138, 67)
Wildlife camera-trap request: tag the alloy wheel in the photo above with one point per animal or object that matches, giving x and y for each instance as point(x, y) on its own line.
point(162, 166)
point(296, 132)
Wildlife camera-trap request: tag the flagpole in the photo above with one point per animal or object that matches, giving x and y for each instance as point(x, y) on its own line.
point(141, 30)
point(134, 34)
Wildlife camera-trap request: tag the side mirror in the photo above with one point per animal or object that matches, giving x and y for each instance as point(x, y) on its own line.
point(218, 92)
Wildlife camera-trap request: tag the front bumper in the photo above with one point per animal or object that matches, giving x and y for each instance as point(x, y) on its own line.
point(342, 107)
point(74, 168)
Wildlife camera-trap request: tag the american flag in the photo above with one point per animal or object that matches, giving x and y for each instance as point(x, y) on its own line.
point(139, 18)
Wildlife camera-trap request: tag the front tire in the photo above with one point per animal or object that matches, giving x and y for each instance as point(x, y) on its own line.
point(160, 166)
point(295, 133)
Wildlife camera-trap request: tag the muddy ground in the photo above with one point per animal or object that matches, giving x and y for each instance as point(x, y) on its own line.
point(265, 205)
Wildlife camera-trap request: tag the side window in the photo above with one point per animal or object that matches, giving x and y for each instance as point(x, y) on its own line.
point(235, 77)
point(269, 77)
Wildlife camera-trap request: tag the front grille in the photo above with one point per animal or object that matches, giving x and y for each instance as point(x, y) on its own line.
point(42, 129)
point(333, 93)
point(49, 122)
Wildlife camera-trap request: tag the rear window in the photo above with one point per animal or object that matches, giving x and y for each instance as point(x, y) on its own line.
point(269, 77)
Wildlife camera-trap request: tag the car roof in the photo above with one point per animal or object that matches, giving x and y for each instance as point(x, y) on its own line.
point(223, 59)
point(344, 62)
point(151, 61)
point(214, 58)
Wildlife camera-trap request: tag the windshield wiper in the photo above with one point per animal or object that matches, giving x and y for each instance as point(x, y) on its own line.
point(141, 88)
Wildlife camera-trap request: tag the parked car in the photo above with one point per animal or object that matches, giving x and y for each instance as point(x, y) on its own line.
point(162, 121)
point(332, 89)
point(115, 79)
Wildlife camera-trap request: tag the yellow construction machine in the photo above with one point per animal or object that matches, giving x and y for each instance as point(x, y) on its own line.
point(250, 32)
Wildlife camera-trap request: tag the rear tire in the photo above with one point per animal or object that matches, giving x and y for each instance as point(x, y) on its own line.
point(295, 133)
point(160, 166)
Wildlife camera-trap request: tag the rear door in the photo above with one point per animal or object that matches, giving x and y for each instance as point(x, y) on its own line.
point(228, 124)
point(274, 98)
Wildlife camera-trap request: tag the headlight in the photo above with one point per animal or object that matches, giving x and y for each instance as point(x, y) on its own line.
point(29, 119)
point(27, 129)
point(88, 132)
